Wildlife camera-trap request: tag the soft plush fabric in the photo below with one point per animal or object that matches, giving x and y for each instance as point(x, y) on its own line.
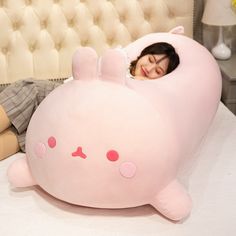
point(108, 141)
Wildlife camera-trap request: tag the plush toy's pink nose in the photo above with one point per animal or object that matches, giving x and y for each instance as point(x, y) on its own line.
point(79, 153)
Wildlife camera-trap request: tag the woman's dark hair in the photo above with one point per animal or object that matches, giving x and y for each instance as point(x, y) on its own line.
point(159, 48)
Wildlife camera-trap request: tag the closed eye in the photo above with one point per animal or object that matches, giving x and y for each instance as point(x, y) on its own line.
point(159, 70)
point(151, 59)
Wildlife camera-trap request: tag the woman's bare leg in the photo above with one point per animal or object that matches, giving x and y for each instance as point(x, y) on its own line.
point(8, 144)
point(4, 120)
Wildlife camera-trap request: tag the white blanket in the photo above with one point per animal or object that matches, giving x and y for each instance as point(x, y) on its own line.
point(210, 178)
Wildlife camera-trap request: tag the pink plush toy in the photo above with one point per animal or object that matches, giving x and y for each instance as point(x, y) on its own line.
point(104, 140)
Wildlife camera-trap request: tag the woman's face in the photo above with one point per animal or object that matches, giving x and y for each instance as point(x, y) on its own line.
point(151, 66)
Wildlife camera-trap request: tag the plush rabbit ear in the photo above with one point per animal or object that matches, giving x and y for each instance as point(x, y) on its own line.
point(113, 65)
point(177, 30)
point(84, 63)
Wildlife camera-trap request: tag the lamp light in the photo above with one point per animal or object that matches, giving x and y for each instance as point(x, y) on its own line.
point(219, 13)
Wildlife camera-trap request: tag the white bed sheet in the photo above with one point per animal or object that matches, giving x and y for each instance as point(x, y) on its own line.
point(210, 178)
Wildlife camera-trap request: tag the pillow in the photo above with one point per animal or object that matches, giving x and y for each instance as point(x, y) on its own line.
point(108, 141)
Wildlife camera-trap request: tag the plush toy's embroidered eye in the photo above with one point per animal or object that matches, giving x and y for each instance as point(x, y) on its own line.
point(52, 142)
point(112, 155)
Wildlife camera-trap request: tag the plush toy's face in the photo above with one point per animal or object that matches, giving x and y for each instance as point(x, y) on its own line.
point(99, 142)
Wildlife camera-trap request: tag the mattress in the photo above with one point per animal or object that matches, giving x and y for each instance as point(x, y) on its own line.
point(210, 177)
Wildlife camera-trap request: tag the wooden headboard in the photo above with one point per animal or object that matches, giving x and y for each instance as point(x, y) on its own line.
point(38, 38)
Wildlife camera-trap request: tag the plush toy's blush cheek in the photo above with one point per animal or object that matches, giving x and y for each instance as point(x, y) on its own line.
point(128, 169)
point(40, 150)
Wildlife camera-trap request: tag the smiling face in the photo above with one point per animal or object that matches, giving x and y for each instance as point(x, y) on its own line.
point(151, 66)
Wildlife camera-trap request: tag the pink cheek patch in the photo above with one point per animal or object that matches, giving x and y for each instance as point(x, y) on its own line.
point(40, 150)
point(52, 142)
point(128, 169)
point(112, 155)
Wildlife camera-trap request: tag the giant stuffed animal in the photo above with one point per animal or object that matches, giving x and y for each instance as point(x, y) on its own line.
point(105, 140)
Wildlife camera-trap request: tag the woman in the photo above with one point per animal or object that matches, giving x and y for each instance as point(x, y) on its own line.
point(19, 100)
point(154, 61)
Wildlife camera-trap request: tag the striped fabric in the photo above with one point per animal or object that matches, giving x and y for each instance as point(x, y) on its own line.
point(21, 99)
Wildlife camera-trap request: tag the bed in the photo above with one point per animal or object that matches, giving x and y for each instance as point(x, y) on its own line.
point(30, 28)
